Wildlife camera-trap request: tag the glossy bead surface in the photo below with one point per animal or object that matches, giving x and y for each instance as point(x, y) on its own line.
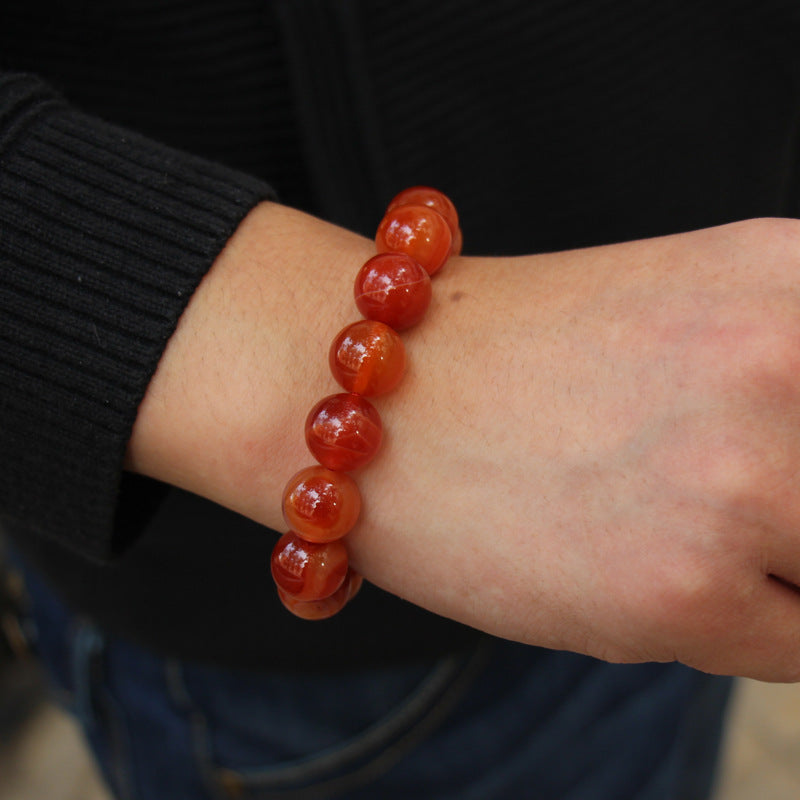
point(328, 606)
point(308, 571)
point(321, 505)
point(458, 243)
point(394, 289)
point(418, 231)
point(352, 583)
point(344, 431)
point(367, 358)
point(427, 196)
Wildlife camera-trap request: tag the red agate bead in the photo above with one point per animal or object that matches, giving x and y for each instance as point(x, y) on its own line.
point(328, 606)
point(427, 196)
point(433, 198)
point(394, 289)
point(321, 505)
point(420, 232)
point(352, 583)
point(458, 243)
point(308, 571)
point(343, 431)
point(368, 357)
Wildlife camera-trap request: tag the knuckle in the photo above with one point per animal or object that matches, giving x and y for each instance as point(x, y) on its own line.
point(745, 344)
point(682, 606)
point(770, 354)
point(760, 348)
point(684, 598)
point(726, 472)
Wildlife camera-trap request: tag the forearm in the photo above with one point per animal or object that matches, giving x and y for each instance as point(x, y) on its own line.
point(469, 436)
point(223, 414)
point(583, 455)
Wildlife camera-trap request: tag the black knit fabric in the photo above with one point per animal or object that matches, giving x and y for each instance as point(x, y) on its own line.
point(207, 77)
point(552, 124)
point(104, 238)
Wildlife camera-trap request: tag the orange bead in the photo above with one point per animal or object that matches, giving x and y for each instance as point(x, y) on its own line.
point(433, 198)
point(327, 607)
point(344, 432)
point(392, 288)
point(458, 243)
point(352, 582)
point(368, 358)
point(321, 505)
point(308, 571)
point(426, 196)
point(418, 231)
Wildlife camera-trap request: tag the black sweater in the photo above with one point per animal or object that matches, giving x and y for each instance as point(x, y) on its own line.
point(551, 124)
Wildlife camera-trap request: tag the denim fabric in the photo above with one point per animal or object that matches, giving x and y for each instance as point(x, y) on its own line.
point(502, 721)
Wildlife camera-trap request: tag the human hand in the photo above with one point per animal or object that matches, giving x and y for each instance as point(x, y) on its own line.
point(593, 450)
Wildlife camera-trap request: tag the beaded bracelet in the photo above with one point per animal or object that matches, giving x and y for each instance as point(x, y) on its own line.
point(343, 431)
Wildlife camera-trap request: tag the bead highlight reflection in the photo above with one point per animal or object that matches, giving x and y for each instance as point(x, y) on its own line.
point(367, 358)
point(427, 196)
point(394, 289)
point(344, 432)
point(418, 231)
point(308, 571)
point(321, 505)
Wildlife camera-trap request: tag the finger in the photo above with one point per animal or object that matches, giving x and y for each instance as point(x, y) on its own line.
point(781, 558)
point(760, 639)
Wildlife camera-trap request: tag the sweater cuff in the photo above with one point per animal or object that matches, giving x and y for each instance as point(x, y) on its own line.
point(104, 236)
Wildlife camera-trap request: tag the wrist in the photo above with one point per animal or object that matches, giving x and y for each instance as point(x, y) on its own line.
point(221, 414)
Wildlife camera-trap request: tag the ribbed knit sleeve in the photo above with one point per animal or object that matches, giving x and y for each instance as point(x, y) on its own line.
point(104, 235)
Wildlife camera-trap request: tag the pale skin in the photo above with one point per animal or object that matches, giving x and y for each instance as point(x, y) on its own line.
point(594, 450)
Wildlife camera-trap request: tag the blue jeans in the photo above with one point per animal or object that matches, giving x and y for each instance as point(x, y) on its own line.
point(502, 721)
